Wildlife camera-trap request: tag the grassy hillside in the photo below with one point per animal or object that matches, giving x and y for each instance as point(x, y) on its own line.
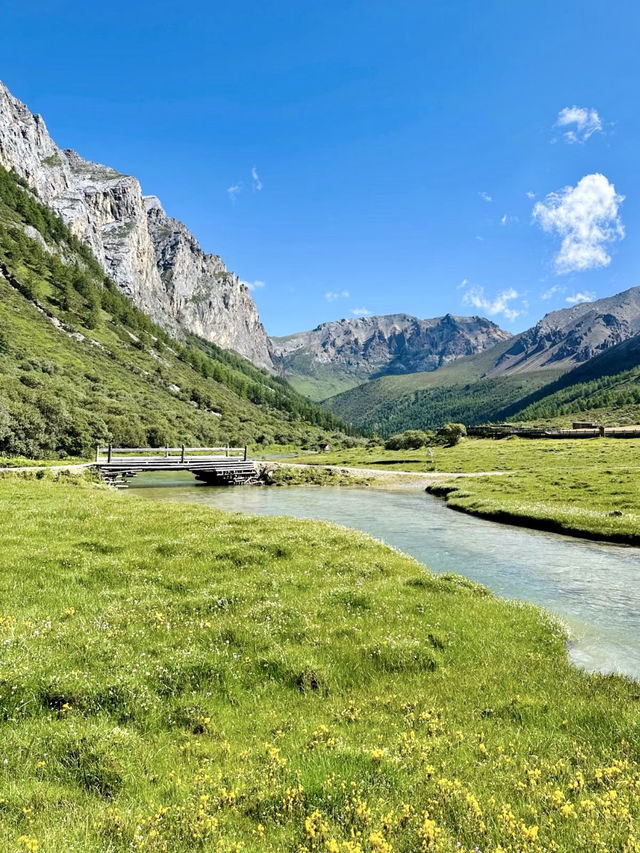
point(80, 365)
point(321, 381)
point(217, 682)
point(606, 388)
point(426, 401)
point(456, 392)
point(459, 372)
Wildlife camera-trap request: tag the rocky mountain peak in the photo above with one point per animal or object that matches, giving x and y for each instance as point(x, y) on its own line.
point(344, 353)
point(571, 336)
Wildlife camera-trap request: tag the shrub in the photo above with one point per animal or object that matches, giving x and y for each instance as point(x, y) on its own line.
point(450, 434)
point(410, 439)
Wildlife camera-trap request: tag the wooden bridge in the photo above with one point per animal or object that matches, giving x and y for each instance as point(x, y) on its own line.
point(216, 466)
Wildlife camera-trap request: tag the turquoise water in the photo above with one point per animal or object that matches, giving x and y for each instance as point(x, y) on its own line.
point(593, 587)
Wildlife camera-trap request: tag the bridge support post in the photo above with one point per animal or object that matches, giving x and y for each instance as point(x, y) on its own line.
point(182, 455)
point(109, 453)
point(245, 453)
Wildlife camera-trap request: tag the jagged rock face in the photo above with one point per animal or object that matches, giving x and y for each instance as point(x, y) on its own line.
point(396, 343)
point(574, 335)
point(202, 292)
point(107, 210)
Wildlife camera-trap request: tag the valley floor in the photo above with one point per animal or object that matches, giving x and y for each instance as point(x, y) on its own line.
point(185, 679)
point(587, 488)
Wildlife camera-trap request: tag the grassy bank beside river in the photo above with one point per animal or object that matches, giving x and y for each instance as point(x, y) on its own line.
point(173, 679)
point(583, 488)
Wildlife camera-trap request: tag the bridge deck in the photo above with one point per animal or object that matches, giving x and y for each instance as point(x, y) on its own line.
point(117, 466)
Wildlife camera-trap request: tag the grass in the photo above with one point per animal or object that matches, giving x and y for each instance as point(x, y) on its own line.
point(290, 475)
point(182, 679)
point(27, 462)
point(584, 488)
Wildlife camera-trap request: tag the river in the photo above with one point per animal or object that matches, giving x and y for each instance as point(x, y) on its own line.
point(593, 587)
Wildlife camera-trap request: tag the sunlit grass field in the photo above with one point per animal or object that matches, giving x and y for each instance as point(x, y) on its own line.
point(584, 487)
point(174, 678)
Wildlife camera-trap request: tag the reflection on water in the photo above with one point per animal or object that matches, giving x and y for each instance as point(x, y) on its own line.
point(594, 587)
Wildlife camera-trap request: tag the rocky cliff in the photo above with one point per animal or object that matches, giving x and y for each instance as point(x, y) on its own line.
point(152, 258)
point(205, 297)
point(341, 354)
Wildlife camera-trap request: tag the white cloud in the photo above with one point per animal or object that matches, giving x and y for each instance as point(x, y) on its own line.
point(506, 219)
point(552, 291)
point(530, 194)
point(581, 296)
point(334, 295)
point(585, 121)
point(485, 196)
point(586, 217)
point(361, 312)
point(235, 189)
point(474, 296)
point(253, 285)
point(478, 237)
point(463, 283)
point(257, 183)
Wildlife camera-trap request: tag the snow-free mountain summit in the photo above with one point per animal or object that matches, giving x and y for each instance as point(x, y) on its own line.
point(339, 355)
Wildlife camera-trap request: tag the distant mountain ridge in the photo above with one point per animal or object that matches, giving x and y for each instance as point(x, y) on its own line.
point(151, 257)
point(485, 386)
point(572, 336)
point(344, 353)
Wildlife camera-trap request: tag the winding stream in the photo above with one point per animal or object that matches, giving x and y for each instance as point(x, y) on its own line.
point(593, 587)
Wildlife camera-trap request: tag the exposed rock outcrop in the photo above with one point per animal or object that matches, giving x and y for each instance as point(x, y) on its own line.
point(152, 258)
point(573, 335)
point(354, 350)
point(203, 294)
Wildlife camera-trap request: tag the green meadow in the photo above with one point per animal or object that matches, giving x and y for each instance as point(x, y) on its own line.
point(177, 679)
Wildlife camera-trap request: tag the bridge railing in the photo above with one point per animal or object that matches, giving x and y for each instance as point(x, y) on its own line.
point(109, 453)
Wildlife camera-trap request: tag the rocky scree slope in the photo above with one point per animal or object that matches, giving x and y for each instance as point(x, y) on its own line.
point(151, 257)
point(572, 336)
point(344, 353)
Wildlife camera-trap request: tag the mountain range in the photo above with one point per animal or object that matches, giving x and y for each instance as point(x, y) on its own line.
point(379, 373)
point(81, 365)
point(499, 382)
point(342, 354)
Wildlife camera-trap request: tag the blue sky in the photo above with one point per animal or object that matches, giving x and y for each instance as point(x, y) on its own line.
point(362, 156)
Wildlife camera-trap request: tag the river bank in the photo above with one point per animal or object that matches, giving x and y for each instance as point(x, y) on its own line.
point(579, 522)
point(588, 489)
point(590, 586)
point(212, 679)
